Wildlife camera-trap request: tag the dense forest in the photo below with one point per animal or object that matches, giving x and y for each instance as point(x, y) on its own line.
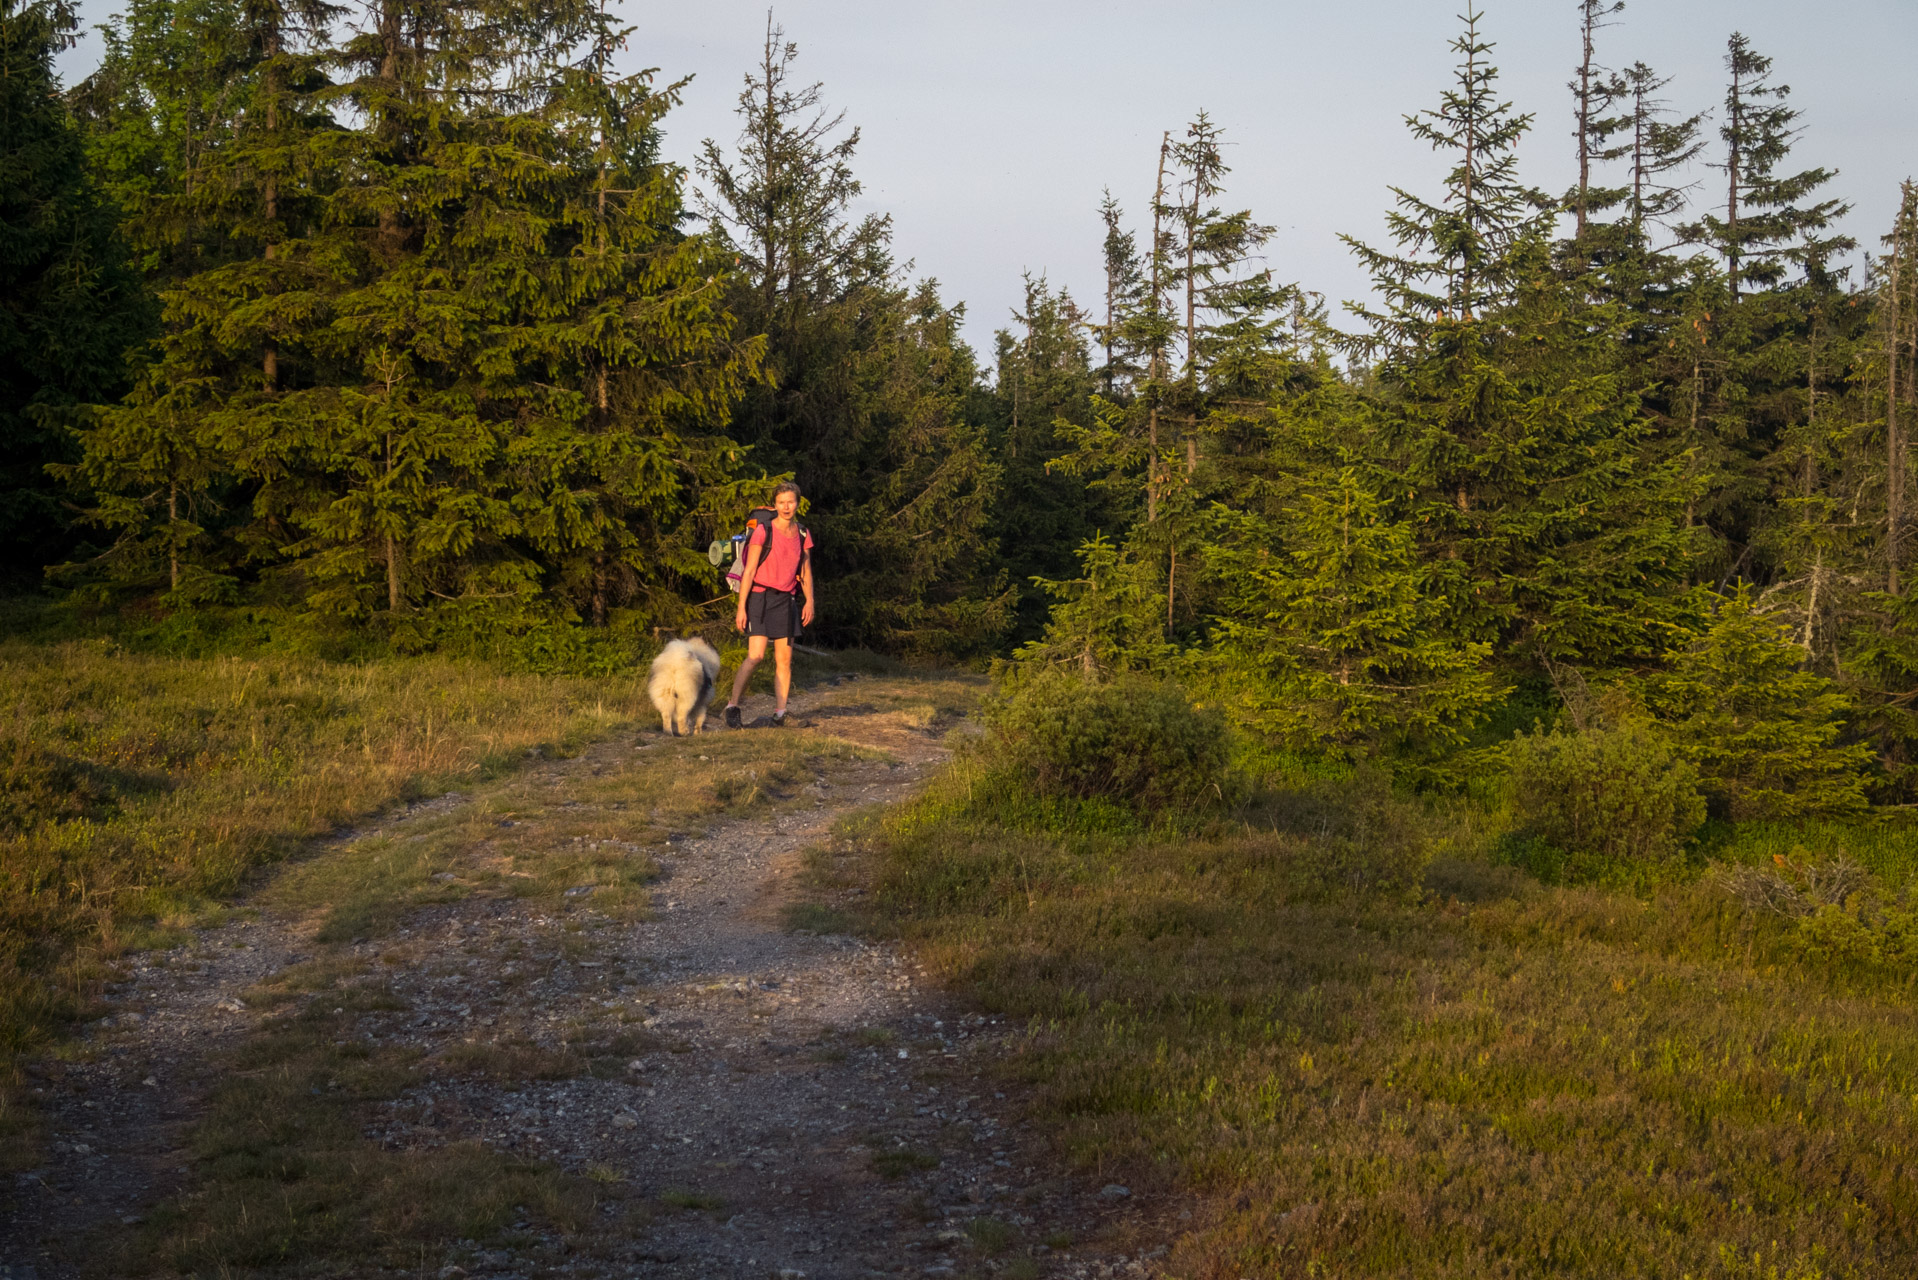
point(395, 328)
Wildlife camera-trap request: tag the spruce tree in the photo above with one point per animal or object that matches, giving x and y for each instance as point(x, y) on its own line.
point(1596, 91)
point(462, 366)
point(1763, 733)
point(1234, 345)
point(1659, 146)
point(914, 564)
point(1546, 519)
point(1625, 261)
point(1327, 635)
point(1881, 676)
point(70, 308)
point(206, 114)
point(1207, 340)
point(1898, 308)
point(1770, 221)
point(619, 488)
point(1459, 256)
point(809, 275)
point(1116, 448)
point(543, 368)
point(1212, 249)
point(175, 85)
point(1043, 375)
point(1124, 286)
point(1108, 620)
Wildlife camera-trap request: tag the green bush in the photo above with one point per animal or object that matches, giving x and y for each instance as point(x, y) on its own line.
point(1602, 797)
point(1764, 734)
point(1135, 741)
point(40, 785)
point(1841, 911)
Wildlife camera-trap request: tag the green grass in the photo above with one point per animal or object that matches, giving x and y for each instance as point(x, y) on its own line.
point(702, 1201)
point(901, 1161)
point(1364, 1062)
point(1886, 846)
point(812, 917)
point(138, 791)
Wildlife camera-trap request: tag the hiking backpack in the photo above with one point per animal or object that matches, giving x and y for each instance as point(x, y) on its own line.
point(735, 546)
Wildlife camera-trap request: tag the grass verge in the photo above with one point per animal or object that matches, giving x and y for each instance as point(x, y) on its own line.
point(284, 1179)
point(137, 792)
point(583, 838)
point(1364, 1063)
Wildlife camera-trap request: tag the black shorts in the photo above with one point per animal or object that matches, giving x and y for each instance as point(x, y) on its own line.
point(773, 614)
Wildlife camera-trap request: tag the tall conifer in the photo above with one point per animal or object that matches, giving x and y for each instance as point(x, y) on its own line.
point(868, 396)
point(481, 378)
point(1124, 286)
point(69, 306)
point(808, 270)
point(1596, 90)
point(1456, 257)
point(1769, 220)
point(1659, 146)
point(1043, 375)
point(1543, 517)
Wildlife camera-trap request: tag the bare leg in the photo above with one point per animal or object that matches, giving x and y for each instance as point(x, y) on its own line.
point(782, 674)
point(755, 654)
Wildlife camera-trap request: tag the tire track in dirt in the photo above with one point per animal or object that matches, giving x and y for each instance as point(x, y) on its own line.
point(790, 1104)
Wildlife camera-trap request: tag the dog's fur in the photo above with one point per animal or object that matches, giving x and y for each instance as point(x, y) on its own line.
point(682, 685)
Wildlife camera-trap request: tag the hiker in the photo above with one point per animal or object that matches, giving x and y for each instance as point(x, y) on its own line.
point(778, 566)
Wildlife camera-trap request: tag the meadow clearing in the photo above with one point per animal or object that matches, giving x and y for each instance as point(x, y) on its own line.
point(1325, 1020)
point(1361, 1048)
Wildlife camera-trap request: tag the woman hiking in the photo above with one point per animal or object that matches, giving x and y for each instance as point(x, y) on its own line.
point(778, 568)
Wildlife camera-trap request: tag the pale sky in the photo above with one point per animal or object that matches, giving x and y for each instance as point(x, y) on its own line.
point(990, 127)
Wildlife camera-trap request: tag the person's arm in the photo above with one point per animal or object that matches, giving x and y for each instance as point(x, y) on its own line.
point(805, 576)
point(746, 584)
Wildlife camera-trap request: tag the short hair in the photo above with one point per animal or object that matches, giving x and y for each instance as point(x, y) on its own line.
point(787, 486)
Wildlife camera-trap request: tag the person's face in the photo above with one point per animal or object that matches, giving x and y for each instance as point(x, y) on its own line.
point(787, 505)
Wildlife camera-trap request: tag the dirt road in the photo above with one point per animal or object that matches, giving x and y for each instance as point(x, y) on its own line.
point(740, 1097)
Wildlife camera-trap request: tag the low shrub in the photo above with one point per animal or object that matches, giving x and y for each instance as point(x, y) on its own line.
point(1603, 798)
point(1134, 741)
point(41, 785)
point(1795, 887)
point(1840, 911)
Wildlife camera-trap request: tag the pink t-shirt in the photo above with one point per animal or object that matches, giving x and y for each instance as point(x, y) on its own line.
point(778, 568)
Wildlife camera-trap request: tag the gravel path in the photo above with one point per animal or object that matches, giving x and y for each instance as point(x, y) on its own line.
point(793, 1104)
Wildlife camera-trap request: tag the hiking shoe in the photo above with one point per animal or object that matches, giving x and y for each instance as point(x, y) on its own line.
point(779, 719)
point(732, 717)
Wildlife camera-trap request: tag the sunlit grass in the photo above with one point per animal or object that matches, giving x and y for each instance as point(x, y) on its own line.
point(1459, 1073)
point(1886, 845)
point(140, 791)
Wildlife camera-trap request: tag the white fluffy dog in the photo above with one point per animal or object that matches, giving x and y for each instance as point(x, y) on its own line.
point(682, 684)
